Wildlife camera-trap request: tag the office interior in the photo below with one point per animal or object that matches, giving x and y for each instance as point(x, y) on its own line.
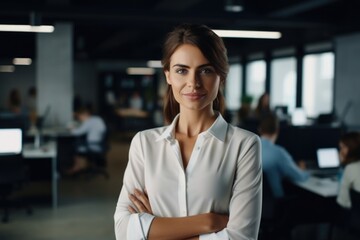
point(311, 74)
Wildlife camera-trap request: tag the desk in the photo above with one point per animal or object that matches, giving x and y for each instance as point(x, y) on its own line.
point(324, 187)
point(47, 150)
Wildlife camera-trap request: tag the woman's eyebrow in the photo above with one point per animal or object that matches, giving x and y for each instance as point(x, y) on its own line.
point(185, 66)
point(180, 65)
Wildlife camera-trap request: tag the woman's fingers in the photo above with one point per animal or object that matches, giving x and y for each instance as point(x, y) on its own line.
point(131, 209)
point(142, 196)
point(140, 201)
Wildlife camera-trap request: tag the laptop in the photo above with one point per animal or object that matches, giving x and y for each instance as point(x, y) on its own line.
point(328, 162)
point(10, 141)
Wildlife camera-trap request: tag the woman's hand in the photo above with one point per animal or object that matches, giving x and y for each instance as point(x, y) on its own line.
point(141, 202)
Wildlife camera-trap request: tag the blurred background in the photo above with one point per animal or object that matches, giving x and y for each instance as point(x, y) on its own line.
point(105, 56)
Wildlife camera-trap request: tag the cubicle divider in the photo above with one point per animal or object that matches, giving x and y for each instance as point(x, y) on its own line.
point(303, 141)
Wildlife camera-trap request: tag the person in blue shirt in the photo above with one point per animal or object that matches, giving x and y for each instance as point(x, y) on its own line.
point(278, 165)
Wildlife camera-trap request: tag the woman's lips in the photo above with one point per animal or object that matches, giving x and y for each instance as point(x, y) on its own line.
point(194, 96)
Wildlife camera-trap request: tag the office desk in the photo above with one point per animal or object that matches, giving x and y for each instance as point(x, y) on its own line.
point(324, 187)
point(47, 150)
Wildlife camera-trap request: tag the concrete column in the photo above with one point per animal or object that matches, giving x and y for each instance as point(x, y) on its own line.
point(54, 74)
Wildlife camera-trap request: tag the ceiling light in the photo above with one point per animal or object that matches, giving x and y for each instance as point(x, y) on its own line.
point(234, 6)
point(154, 64)
point(7, 68)
point(22, 61)
point(26, 28)
point(247, 34)
point(140, 71)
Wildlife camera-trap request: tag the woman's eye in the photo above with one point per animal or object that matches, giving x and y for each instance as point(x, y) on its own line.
point(206, 70)
point(181, 71)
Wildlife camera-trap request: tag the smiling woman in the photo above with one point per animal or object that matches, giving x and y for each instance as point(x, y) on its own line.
point(199, 177)
point(195, 84)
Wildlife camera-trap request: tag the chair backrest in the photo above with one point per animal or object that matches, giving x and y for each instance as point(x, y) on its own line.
point(355, 201)
point(355, 212)
point(269, 201)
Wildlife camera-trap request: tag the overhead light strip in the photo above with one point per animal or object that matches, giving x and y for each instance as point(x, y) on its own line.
point(140, 71)
point(247, 34)
point(26, 28)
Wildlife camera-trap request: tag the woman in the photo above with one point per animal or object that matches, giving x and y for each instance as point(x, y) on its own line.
point(263, 106)
point(199, 177)
point(350, 158)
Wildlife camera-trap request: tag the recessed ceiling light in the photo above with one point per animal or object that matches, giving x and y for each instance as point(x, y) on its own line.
point(22, 61)
point(7, 68)
point(140, 71)
point(154, 64)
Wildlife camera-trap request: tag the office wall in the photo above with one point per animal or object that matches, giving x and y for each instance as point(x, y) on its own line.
point(347, 78)
point(23, 78)
point(85, 82)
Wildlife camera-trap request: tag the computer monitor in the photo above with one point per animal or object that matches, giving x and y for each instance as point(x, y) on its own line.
point(298, 117)
point(328, 158)
point(11, 141)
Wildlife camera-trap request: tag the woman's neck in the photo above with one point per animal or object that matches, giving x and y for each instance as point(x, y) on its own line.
point(191, 123)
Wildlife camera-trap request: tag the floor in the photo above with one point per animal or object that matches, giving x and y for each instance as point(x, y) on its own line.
point(87, 205)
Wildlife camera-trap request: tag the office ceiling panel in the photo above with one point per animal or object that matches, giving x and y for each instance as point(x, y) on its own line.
point(135, 29)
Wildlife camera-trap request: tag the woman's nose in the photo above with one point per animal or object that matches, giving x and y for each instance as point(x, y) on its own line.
point(194, 81)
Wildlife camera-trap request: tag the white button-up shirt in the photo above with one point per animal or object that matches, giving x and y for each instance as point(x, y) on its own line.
point(223, 175)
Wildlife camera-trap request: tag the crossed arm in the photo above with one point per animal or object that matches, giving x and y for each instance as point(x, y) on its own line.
point(177, 228)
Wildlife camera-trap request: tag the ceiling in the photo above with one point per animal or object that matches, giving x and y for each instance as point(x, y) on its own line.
point(135, 30)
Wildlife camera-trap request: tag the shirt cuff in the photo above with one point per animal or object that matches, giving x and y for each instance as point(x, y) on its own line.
point(138, 226)
point(222, 235)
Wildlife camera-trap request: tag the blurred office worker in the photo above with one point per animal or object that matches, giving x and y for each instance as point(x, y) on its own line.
point(90, 135)
point(278, 165)
point(350, 158)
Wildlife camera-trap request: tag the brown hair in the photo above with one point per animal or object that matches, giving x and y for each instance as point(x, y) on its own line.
point(269, 124)
point(211, 46)
point(352, 141)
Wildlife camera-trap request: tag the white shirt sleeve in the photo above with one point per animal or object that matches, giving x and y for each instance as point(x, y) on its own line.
point(133, 226)
point(139, 221)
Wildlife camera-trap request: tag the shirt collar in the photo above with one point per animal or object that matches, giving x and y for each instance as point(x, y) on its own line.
point(218, 129)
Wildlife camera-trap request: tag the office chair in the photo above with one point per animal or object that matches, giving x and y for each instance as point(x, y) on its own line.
point(98, 160)
point(13, 171)
point(354, 220)
point(349, 220)
point(276, 222)
point(272, 213)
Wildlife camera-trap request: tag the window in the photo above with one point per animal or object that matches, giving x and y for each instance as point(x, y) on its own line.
point(233, 87)
point(255, 82)
point(283, 83)
point(318, 81)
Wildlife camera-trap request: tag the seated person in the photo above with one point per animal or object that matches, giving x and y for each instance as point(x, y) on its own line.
point(350, 158)
point(90, 132)
point(278, 164)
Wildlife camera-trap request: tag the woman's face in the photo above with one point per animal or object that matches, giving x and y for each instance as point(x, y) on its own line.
point(343, 151)
point(193, 79)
